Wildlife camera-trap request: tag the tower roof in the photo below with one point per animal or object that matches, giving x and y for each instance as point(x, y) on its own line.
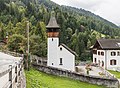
point(52, 23)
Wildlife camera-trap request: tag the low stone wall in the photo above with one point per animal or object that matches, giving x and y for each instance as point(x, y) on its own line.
point(109, 82)
point(38, 60)
point(12, 53)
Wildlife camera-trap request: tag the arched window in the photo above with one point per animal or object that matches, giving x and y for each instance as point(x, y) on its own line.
point(113, 62)
point(113, 53)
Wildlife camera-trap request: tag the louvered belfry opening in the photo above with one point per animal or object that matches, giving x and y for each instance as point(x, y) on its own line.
point(53, 27)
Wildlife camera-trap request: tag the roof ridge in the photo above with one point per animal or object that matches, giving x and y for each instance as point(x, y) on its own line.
point(108, 43)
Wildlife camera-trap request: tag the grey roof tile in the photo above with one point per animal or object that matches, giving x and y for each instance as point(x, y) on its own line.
point(109, 43)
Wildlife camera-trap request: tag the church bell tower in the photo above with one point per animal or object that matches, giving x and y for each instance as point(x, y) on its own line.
point(53, 40)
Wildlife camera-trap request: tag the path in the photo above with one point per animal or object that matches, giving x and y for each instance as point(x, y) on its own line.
point(95, 70)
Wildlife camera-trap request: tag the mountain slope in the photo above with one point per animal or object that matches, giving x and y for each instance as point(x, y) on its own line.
point(90, 14)
point(81, 11)
point(78, 28)
point(93, 21)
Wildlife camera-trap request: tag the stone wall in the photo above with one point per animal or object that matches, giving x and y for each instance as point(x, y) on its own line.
point(38, 60)
point(109, 82)
point(12, 53)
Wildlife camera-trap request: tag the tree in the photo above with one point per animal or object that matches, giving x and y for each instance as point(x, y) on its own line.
point(41, 30)
point(38, 47)
point(68, 33)
point(17, 43)
point(1, 31)
point(9, 28)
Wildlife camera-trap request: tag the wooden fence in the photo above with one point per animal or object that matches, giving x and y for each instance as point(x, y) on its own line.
point(11, 77)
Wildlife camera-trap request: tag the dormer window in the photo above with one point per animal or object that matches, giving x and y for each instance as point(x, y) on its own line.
point(113, 53)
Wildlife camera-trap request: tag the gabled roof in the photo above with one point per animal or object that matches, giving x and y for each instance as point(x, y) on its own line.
point(107, 44)
point(52, 23)
point(66, 47)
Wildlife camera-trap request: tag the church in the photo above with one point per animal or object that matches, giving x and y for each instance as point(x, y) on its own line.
point(59, 55)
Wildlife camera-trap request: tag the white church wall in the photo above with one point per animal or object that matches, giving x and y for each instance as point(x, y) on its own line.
point(54, 55)
point(68, 59)
point(52, 51)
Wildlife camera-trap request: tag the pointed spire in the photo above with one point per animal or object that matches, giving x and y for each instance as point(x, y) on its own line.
point(52, 23)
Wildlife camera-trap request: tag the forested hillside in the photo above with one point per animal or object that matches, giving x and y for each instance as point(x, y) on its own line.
point(78, 28)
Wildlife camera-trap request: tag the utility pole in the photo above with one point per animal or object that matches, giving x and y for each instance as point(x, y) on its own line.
point(28, 47)
point(28, 44)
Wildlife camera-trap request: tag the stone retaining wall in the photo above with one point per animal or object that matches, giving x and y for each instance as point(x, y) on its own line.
point(38, 60)
point(113, 82)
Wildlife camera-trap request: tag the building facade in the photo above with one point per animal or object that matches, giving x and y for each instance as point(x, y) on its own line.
point(59, 55)
point(106, 53)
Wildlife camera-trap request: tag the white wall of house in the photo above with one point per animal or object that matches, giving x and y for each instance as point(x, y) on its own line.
point(95, 56)
point(106, 59)
point(116, 57)
point(54, 55)
point(100, 59)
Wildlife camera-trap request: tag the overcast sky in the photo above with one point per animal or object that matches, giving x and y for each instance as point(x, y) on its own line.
point(108, 9)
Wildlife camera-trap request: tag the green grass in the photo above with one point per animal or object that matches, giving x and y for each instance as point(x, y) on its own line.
point(37, 79)
point(117, 74)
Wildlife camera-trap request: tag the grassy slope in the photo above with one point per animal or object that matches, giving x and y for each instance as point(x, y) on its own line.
point(36, 79)
point(117, 74)
point(98, 34)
